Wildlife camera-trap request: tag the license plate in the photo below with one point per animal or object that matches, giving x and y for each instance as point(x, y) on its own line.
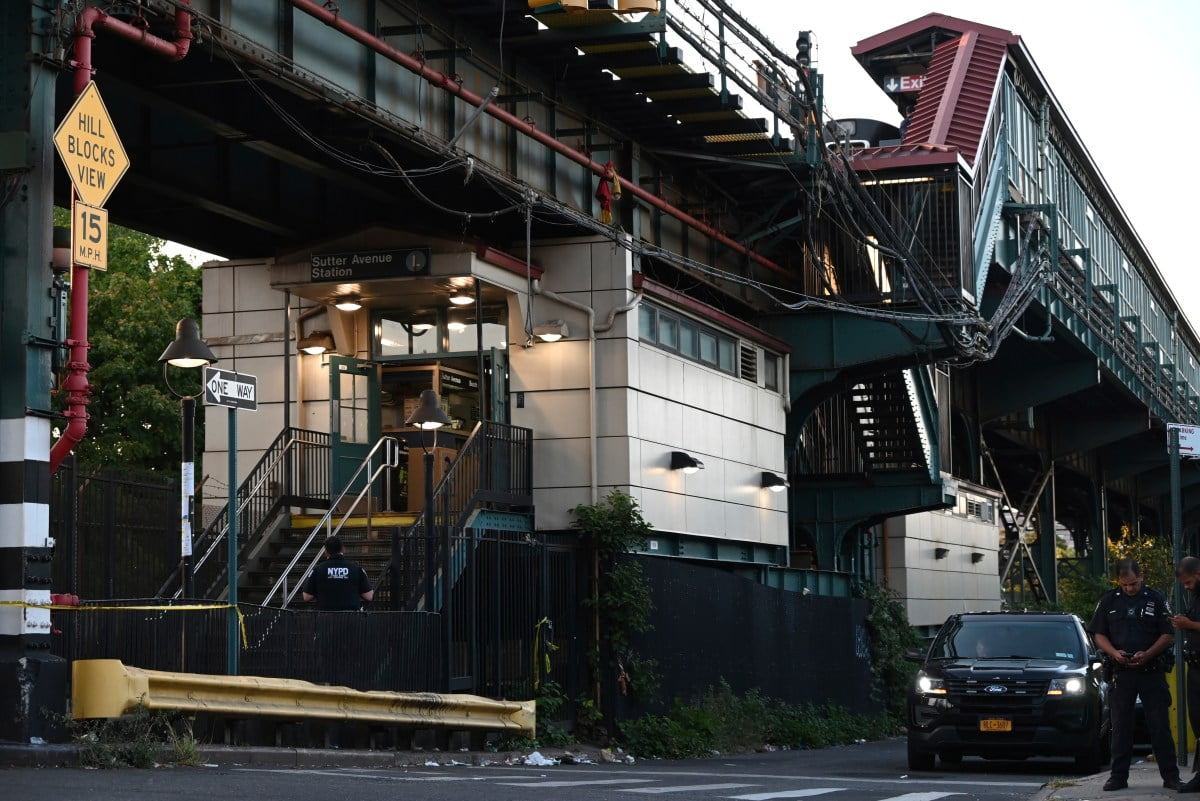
point(995, 724)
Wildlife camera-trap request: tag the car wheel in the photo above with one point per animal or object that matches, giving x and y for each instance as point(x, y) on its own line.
point(919, 759)
point(951, 758)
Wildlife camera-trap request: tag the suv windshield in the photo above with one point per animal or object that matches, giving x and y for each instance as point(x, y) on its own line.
point(1007, 639)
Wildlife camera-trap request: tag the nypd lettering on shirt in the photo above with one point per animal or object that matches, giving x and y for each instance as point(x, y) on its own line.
point(337, 572)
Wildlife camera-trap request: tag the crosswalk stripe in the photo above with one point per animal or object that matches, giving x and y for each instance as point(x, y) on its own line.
point(788, 794)
point(535, 783)
point(919, 796)
point(685, 788)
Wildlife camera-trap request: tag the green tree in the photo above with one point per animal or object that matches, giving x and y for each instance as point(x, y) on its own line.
point(132, 311)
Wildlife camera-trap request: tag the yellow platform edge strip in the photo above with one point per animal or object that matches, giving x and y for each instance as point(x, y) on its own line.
point(107, 688)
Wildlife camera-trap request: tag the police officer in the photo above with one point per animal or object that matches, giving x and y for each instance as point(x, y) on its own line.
point(336, 583)
point(1132, 626)
point(1188, 572)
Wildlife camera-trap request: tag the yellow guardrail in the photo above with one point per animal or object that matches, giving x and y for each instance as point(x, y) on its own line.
point(106, 688)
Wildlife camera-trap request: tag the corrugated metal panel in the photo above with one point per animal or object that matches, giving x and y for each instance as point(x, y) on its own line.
point(960, 88)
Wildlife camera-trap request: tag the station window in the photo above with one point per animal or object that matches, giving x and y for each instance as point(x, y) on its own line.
point(415, 332)
point(771, 371)
point(687, 338)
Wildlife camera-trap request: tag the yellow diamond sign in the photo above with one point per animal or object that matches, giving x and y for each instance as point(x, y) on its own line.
point(90, 148)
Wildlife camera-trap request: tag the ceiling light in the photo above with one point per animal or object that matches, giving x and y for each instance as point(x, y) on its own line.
point(551, 331)
point(773, 481)
point(421, 328)
point(349, 303)
point(456, 326)
point(686, 462)
point(316, 343)
point(461, 300)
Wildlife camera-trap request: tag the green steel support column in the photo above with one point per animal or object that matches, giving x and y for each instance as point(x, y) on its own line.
point(32, 682)
point(1045, 553)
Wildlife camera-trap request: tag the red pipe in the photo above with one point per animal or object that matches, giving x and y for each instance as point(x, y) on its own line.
point(452, 86)
point(76, 385)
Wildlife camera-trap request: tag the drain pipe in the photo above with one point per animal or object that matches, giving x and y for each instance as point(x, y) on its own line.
point(592, 330)
point(76, 385)
point(442, 81)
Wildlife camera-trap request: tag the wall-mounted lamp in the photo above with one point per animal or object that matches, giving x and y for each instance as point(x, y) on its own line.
point(551, 331)
point(976, 557)
point(773, 481)
point(940, 553)
point(348, 303)
point(460, 299)
point(316, 343)
point(685, 462)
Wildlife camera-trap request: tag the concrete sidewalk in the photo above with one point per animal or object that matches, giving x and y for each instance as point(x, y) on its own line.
point(1144, 785)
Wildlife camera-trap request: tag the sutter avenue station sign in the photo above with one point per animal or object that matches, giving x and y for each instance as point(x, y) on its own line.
point(369, 264)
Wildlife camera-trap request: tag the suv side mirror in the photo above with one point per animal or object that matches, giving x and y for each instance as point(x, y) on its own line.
point(915, 655)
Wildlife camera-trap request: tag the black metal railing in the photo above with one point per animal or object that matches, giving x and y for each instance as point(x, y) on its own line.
point(116, 531)
point(294, 471)
point(494, 468)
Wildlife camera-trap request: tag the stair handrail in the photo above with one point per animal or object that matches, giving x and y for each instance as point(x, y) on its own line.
point(391, 460)
point(924, 402)
point(263, 468)
point(474, 443)
point(991, 203)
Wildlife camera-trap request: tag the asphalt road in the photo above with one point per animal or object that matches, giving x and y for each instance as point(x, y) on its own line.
point(869, 772)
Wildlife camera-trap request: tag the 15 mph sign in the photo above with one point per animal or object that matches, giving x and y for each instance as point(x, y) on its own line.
point(227, 388)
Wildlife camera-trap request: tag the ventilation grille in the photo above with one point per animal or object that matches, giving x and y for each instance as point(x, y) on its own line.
point(749, 366)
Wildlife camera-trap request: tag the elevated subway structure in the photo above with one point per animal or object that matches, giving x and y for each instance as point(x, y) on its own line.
point(887, 321)
point(1068, 419)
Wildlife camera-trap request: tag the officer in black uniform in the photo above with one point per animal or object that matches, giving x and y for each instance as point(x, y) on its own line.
point(336, 583)
point(1188, 573)
point(1132, 625)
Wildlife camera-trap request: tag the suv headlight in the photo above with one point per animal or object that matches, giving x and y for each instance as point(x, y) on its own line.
point(1072, 686)
point(930, 686)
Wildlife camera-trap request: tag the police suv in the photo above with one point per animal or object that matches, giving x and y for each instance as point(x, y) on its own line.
point(1008, 685)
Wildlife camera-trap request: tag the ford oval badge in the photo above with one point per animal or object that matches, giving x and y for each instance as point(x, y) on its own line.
point(995, 689)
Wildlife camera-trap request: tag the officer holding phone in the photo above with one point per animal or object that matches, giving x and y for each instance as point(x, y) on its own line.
point(1132, 625)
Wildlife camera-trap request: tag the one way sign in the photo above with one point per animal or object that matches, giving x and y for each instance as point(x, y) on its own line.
point(227, 388)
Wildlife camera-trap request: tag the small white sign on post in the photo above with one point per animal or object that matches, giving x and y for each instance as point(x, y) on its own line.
point(1189, 440)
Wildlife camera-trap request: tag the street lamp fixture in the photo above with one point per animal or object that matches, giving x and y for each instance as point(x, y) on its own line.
point(429, 416)
point(188, 351)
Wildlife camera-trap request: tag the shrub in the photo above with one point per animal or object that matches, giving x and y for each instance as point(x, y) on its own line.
point(722, 721)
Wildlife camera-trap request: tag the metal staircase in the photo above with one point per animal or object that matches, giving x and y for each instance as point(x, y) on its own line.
point(885, 425)
point(293, 472)
point(487, 487)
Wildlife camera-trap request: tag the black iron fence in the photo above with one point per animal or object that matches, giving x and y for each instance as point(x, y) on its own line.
point(364, 650)
point(712, 626)
point(116, 532)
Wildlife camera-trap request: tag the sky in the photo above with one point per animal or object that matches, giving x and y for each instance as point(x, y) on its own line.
point(1126, 74)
